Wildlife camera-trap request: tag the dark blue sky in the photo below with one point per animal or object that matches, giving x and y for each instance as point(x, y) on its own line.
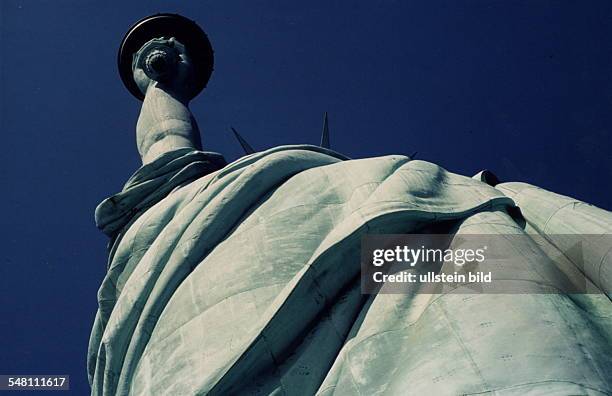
point(523, 88)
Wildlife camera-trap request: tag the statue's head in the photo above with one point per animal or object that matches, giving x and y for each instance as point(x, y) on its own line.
point(167, 48)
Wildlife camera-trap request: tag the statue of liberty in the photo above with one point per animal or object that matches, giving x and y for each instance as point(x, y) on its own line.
point(244, 278)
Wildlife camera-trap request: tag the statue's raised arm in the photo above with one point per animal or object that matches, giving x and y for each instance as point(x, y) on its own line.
point(163, 72)
point(159, 68)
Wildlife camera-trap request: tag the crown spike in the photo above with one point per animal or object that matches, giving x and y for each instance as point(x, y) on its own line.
point(245, 146)
point(325, 133)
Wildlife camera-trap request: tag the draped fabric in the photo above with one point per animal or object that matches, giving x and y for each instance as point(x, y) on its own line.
point(244, 279)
